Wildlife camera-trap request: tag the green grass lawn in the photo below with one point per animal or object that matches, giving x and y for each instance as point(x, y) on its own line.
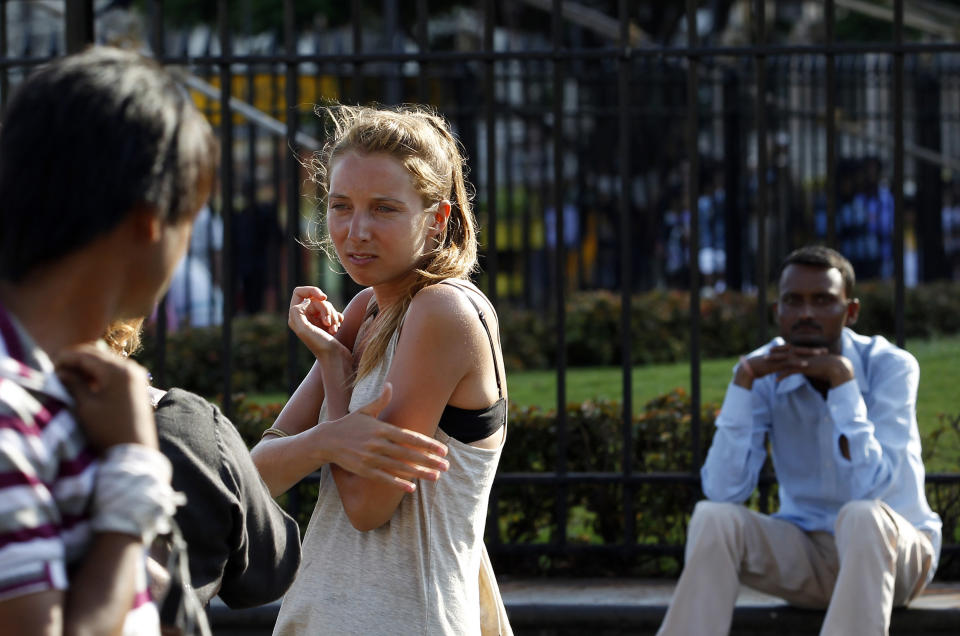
point(938, 388)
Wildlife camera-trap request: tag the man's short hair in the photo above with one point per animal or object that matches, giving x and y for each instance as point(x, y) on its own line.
point(822, 256)
point(86, 139)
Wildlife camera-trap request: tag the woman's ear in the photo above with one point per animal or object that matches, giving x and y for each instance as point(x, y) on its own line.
point(441, 214)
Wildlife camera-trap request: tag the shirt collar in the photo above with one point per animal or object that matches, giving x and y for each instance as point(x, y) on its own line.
point(850, 351)
point(26, 364)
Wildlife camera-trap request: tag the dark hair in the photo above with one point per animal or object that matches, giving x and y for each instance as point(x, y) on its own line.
point(822, 256)
point(85, 139)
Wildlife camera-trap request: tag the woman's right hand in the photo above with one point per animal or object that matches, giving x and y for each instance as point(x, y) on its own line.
point(315, 321)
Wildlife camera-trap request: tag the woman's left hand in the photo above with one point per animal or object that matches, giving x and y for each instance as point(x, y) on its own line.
point(315, 321)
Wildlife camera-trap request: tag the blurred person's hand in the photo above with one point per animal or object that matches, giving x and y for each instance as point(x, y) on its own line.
point(112, 405)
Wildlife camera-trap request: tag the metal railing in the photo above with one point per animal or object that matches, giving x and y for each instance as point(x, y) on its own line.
point(570, 117)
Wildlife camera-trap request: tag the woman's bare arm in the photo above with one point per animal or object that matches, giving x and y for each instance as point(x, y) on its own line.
point(360, 443)
point(439, 347)
point(357, 441)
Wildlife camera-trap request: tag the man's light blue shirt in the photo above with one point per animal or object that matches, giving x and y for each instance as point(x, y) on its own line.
point(876, 412)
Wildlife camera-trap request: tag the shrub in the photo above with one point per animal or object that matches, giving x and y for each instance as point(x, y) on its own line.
point(729, 324)
point(659, 332)
point(258, 357)
point(526, 513)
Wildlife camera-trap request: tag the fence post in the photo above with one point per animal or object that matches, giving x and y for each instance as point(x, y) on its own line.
point(928, 205)
point(734, 222)
point(78, 24)
point(226, 200)
point(693, 203)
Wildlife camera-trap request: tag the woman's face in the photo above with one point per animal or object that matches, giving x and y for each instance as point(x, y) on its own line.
point(377, 220)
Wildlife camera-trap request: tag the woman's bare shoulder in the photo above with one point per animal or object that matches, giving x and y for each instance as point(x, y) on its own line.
point(445, 299)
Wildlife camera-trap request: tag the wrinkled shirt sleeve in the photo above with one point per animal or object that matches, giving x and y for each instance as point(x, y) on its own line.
point(880, 443)
point(738, 451)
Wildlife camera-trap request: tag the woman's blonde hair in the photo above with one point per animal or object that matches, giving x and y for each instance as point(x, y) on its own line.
point(123, 336)
point(423, 143)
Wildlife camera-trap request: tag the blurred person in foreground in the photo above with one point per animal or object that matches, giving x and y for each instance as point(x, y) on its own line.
point(854, 533)
point(104, 165)
point(104, 162)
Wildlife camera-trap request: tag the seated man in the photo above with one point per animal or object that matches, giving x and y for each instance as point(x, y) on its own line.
point(854, 533)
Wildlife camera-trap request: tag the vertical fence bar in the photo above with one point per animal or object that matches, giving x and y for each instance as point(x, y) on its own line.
point(390, 79)
point(78, 24)
point(157, 34)
point(159, 369)
point(292, 170)
point(250, 210)
point(899, 295)
point(423, 43)
point(560, 268)
point(491, 119)
point(762, 198)
point(732, 178)
point(531, 166)
point(4, 45)
point(226, 202)
point(279, 154)
point(357, 30)
point(510, 211)
point(929, 89)
point(626, 261)
point(760, 106)
point(491, 169)
point(831, 122)
point(292, 182)
point(693, 196)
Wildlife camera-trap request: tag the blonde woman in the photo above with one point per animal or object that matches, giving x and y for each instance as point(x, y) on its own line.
point(379, 559)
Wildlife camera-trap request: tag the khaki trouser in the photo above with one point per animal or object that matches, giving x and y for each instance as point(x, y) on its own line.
point(875, 560)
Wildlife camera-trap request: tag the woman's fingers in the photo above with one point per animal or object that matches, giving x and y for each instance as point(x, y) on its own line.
point(421, 455)
point(304, 292)
point(318, 313)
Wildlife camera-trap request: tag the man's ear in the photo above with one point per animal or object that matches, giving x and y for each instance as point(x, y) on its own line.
point(853, 311)
point(145, 224)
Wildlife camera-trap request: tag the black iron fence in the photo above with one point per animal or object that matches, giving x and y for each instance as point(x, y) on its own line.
point(600, 161)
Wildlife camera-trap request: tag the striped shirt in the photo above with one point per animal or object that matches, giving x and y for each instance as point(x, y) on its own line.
point(47, 476)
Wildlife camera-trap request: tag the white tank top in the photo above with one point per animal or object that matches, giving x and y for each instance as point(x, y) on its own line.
point(417, 574)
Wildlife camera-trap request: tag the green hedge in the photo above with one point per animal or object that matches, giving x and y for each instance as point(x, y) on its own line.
point(258, 357)
point(526, 514)
point(660, 324)
point(659, 332)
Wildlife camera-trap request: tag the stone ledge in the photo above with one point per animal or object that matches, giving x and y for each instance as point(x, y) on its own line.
point(611, 606)
point(637, 606)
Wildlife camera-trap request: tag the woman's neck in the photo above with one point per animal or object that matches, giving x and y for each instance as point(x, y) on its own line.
point(395, 291)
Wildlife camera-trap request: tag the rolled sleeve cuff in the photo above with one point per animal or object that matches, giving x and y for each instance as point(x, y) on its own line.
point(737, 410)
point(849, 414)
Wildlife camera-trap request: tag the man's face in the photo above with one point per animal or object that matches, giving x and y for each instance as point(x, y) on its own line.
point(813, 307)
